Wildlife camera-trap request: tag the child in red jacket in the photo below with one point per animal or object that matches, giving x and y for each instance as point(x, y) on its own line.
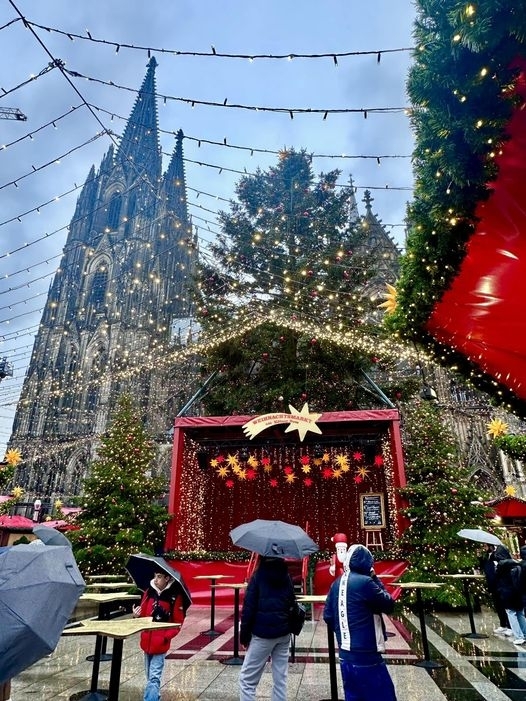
point(163, 603)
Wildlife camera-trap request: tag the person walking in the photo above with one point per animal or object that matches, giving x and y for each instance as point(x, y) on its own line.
point(510, 593)
point(488, 565)
point(162, 602)
point(353, 611)
point(265, 628)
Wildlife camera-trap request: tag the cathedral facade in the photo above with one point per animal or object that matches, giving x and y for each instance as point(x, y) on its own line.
point(121, 288)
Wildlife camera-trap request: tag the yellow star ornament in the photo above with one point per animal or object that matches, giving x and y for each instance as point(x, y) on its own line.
point(497, 428)
point(510, 491)
point(391, 302)
point(13, 457)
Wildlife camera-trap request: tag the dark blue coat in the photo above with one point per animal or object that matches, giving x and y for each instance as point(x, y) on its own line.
point(268, 599)
point(366, 596)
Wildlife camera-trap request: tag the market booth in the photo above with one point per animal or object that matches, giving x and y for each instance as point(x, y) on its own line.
point(330, 472)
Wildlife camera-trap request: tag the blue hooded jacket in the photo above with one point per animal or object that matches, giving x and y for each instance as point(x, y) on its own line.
point(365, 597)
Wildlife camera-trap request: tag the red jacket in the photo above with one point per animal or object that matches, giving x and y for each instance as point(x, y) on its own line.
point(156, 642)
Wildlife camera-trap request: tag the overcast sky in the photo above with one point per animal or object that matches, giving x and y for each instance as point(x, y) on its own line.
point(34, 209)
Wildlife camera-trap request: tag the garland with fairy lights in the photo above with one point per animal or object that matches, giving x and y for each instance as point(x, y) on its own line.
point(461, 89)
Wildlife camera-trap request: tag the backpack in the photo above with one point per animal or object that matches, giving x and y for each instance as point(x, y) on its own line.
point(516, 579)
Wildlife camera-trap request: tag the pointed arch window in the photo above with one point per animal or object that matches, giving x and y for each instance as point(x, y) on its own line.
point(98, 287)
point(114, 212)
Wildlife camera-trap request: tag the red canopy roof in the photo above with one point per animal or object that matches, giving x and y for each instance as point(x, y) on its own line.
point(509, 507)
point(482, 315)
point(16, 523)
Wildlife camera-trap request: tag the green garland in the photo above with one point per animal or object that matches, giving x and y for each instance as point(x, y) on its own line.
point(512, 445)
point(461, 90)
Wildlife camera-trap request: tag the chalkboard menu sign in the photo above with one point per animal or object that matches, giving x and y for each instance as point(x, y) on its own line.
point(372, 514)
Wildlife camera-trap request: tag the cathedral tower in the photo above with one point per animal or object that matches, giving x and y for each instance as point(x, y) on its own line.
point(121, 286)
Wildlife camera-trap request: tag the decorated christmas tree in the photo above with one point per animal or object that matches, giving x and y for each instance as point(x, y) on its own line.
point(291, 275)
point(440, 502)
point(120, 510)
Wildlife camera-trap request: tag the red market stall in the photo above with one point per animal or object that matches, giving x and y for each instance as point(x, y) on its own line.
point(330, 472)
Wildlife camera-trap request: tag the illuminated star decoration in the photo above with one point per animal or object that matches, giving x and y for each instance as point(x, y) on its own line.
point(17, 492)
point(305, 421)
point(510, 490)
point(497, 428)
point(343, 462)
point(13, 457)
point(222, 471)
point(363, 472)
point(378, 460)
point(391, 302)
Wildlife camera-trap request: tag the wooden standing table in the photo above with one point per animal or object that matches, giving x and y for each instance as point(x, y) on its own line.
point(466, 577)
point(236, 659)
point(104, 601)
point(119, 630)
point(212, 632)
point(427, 662)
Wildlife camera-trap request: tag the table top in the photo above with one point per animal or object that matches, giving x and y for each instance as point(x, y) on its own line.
point(233, 585)
point(213, 576)
point(110, 585)
point(311, 598)
point(420, 585)
point(109, 596)
point(117, 628)
point(464, 575)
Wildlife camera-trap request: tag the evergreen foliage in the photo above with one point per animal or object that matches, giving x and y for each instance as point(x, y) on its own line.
point(462, 96)
point(289, 248)
point(120, 513)
point(440, 502)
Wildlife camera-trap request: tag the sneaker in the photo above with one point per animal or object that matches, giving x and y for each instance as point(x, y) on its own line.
point(519, 641)
point(500, 630)
point(508, 632)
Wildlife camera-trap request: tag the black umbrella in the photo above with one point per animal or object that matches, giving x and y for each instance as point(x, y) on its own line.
point(142, 567)
point(273, 539)
point(50, 536)
point(39, 588)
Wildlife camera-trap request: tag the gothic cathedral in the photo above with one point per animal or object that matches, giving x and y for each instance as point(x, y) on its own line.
point(120, 291)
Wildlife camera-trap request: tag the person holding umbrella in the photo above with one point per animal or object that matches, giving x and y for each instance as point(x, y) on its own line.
point(265, 627)
point(165, 600)
point(269, 599)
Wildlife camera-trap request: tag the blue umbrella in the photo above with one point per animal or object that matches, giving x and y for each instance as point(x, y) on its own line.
point(39, 588)
point(142, 567)
point(479, 535)
point(274, 539)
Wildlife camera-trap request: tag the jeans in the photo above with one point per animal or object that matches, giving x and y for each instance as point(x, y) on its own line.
point(153, 666)
point(517, 622)
point(256, 657)
point(370, 683)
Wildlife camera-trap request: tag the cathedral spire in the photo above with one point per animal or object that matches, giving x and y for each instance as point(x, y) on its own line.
point(139, 150)
point(354, 216)
point(175, 182)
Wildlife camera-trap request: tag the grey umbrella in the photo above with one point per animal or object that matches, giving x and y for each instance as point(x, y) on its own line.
point(142, 567)
point(480, 536)
point(39, 588)
point(273, 539)
point(50, 536)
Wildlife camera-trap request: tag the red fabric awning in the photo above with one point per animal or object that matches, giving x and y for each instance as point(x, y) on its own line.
point(16, 523)
point(481, 315)
point(509, 507)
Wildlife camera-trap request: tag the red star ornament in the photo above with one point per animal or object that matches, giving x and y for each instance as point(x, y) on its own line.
point(378, 460)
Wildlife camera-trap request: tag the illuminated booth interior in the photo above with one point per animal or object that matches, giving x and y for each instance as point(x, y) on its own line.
point(343, 479)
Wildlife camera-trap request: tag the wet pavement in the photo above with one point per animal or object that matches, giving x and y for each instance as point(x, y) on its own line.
point(488, 668)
